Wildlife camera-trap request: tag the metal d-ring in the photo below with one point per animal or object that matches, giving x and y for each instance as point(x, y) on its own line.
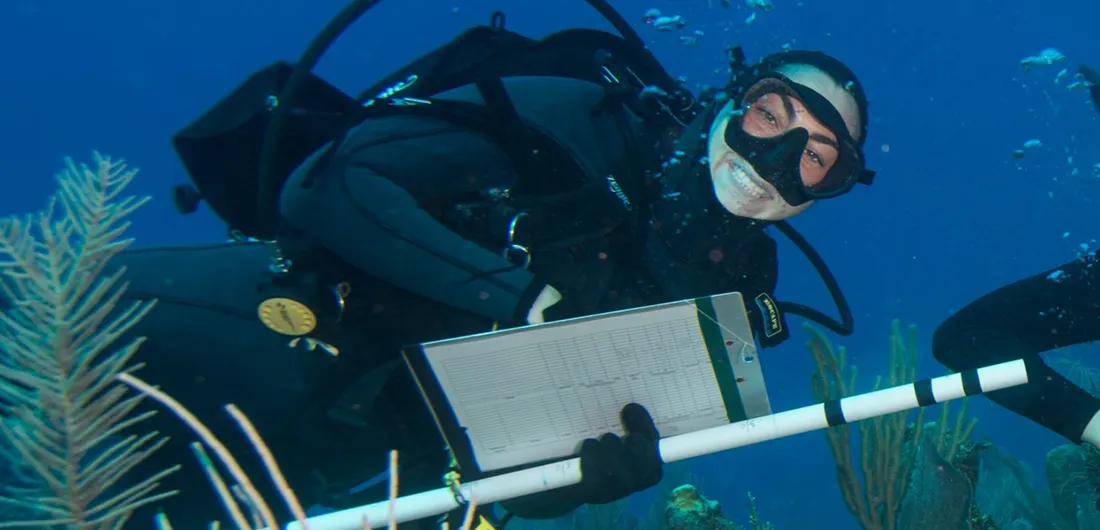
point(513, 251)
point(341, 292)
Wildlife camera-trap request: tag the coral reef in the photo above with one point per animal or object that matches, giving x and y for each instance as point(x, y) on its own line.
point(1009, 492)
point(687, 509)
point(1067, 475)
point(940, 494)
point(876, 499)
point(905, 471)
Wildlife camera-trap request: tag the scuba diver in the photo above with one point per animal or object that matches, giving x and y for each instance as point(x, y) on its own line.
point(1050, 310)
point(495, 182)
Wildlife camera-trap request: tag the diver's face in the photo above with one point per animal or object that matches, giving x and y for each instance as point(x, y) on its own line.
point(737, 185)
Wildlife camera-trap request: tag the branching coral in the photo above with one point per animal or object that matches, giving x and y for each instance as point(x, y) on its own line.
point(876, 499)
point(754, 518)
point(875, 486)
point(65, 417)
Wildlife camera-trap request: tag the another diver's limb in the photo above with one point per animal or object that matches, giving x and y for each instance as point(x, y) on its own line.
point(1050, 310)
point(612, 468)
point(1093, 79)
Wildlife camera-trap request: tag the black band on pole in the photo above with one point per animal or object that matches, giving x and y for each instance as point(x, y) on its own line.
point(923, 389)
point(972, 384)
point(834, 414)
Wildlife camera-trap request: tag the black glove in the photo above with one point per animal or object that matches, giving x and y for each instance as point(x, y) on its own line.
point(613, 468)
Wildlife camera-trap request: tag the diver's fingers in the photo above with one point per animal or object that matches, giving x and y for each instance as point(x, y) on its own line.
point(637, 420)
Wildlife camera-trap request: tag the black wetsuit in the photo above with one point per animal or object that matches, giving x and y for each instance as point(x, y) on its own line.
point(387, 217)
point(1050, 310)
point(1053, 309)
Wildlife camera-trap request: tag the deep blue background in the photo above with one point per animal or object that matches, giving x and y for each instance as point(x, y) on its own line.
point(951, 216)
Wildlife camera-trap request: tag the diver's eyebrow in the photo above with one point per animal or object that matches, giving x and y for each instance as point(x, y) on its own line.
point(825, 140)
point(788, 107)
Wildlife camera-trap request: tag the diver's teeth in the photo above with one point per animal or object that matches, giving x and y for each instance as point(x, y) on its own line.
point(744, 182)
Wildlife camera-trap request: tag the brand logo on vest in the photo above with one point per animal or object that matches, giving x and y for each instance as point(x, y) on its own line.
point(770, 310)
point(390, 91)
point(613, 185)
point(287, 317)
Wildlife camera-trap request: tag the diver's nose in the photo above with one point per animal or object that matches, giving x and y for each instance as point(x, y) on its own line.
point(789, 147)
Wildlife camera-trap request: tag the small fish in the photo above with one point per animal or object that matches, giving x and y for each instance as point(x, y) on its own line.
point(666, 23)
point(1046, 57)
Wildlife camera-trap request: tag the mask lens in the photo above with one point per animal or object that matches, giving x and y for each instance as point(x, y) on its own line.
point(843, 175)
point(766, 111)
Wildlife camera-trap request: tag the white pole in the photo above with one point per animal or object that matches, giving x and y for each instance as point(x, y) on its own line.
point(815, 417)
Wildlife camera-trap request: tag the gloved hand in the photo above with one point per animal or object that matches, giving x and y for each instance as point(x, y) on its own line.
point(613, 468)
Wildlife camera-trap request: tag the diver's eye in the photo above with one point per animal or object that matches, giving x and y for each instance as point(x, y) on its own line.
point(814, 157)
point(768, 116)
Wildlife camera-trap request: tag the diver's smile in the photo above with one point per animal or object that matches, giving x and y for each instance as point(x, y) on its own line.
point(746, 182)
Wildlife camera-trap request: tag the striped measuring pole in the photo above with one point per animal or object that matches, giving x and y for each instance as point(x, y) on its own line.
point(748, 432)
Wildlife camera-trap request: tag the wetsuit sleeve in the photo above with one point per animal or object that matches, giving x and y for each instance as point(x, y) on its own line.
point(1050, 310)
point(357, 209)
point(1093, 79)
point(758, 276)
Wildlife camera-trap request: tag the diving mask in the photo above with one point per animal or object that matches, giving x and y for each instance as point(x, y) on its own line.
point(777, 154)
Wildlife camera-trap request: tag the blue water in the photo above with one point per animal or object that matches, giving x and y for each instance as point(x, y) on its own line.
point(951, 216)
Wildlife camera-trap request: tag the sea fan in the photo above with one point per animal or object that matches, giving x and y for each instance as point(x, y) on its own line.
point(1070, 363)
point(64, 415)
